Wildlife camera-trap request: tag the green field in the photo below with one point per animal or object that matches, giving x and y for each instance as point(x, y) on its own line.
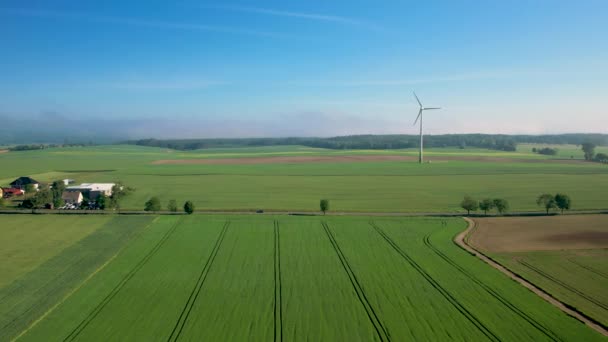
point(378, 186)
point(579, 278)
point(249, 277)
point(45, 259)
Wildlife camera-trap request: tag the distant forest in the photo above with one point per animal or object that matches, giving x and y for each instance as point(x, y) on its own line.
point(383, 142)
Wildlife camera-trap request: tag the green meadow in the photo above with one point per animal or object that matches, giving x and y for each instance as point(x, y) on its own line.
point(293, 278)
point(379, 186)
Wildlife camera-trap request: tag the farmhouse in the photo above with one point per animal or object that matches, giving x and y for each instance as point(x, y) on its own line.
point(92, 190)
point(72, 197)
point(22, 182)
point(10, 192)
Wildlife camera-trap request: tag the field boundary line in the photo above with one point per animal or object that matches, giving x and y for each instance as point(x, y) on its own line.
point(371, 313)
point(278, 291)
point(461, 241)
point(435, 284)
point(183, 317)
point(86, 280)
point(546, 331)
point(590, 269)
point(84, 323)
point(562, 284)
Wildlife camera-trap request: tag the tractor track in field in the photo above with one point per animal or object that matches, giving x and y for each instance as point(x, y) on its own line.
point(546, 331)
point(562, 284)
point(451, 299)
point(82, 325)
point(383, 335)
point(278, 291)
point(590, 269)
point(183, 317)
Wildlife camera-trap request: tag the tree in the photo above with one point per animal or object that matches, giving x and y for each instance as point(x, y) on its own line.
point(101, 201)
point(153, 204)
point(501, 204)
point(189, 207)
point(172, 206)
point(119, 191)
point(563, 202)
point(324, 205)
point(601, 157)
point(468, 204)
point(486, 205)
point(589, 149)
point(547, 201)
point(57, 189)
point(30, 189)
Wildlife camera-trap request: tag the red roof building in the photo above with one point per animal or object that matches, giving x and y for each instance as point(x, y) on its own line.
point(10, 192)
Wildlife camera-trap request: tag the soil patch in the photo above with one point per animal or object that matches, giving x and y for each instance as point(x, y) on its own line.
point(521, 234)
point(3, 151)
point(345, 159)
point(600, 239)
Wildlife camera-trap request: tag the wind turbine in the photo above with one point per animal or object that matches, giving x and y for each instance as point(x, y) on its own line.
point(422, 109)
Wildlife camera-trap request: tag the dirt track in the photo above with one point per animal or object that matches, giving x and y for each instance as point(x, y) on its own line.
point(347, 159)
point(461, 240)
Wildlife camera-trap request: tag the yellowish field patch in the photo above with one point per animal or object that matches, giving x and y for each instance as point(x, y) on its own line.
point(26, 241)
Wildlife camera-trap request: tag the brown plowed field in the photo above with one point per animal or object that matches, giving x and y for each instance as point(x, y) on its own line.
point(520, 234)
point(3, 151)
point(345, 159)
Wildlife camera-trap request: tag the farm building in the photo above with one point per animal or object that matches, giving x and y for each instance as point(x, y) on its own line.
point(92, 190)
point(22, 182)
point(72, 197)
point(10, 192)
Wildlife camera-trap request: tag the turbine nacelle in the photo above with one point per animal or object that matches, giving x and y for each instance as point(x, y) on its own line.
point(422, 108)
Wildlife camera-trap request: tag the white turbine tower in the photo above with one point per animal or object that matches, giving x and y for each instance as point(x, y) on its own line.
point(422, 109)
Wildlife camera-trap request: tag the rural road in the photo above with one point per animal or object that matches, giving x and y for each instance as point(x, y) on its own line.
point(284, 212)
point(461, 240)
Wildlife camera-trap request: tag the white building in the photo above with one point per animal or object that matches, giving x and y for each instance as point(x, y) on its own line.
point(92, 190)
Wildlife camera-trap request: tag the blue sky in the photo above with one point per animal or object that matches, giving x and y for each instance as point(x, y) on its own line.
point(310, 67)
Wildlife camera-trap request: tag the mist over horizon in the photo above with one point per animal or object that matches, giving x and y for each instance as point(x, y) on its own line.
point(52, 127)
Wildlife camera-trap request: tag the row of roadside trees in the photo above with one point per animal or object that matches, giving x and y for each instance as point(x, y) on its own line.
point(547, 201)
point(487, 204)
point(153, 204)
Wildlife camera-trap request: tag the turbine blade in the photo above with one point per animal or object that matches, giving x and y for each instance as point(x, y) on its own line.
point(430, 108)
point(417, 99)
point(418, 117)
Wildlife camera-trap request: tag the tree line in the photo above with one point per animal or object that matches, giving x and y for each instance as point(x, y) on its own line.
point(154, 205)
point(384, 142)
point(547, 201)
point(33, 147)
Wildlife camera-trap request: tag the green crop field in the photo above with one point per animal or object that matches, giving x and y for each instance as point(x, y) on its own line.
point(351, 185)
point(579, 278)
point(246, 277)
point(47, 258)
